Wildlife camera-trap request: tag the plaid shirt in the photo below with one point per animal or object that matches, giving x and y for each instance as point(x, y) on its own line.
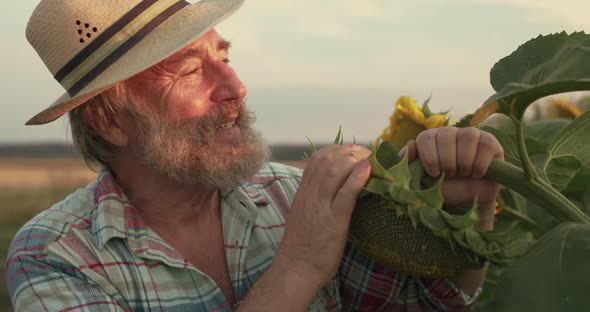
point(94, 252)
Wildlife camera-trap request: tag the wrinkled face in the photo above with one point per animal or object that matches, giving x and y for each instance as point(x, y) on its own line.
point(201, 133)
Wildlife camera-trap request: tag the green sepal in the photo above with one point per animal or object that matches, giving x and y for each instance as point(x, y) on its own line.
point(432, 196)
point(414, 215)
point(504, 237)
point(460, 222)
point(407, 197)
point(395, 193)
point(431, 218)
point(401, 173)
point(387, 154)
point(377, 186)
point(480, 245)
point(459, 238)
point(426, 109)
point(339, 137)
point(377, 169)
point(417, 172)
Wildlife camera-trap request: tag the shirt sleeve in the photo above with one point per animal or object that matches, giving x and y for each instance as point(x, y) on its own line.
point(368, 286)
point(36, 283)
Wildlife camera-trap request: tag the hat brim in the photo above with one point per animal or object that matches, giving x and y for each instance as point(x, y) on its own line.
point(177, 32)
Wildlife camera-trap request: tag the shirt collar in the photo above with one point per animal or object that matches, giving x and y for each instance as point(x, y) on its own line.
point(115, 217)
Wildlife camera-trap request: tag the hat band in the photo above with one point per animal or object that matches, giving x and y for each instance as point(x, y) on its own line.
point(114, 42)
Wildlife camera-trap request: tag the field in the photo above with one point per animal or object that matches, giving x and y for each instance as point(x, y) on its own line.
point(28, 186)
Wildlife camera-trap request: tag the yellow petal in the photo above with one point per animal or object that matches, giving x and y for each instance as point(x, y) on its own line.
point(409, 109)
point(389, 132)
point(435, 121)
point(567, 108)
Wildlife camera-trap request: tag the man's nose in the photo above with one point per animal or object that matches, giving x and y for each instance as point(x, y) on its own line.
point(228, 87)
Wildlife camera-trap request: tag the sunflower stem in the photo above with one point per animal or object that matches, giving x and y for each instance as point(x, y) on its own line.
point(537, 191)
point(527, 164)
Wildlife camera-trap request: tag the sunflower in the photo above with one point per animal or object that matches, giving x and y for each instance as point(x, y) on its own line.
point(408, 120)
point(562, 107)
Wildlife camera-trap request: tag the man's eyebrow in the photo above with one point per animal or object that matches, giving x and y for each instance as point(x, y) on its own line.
point(222, 45)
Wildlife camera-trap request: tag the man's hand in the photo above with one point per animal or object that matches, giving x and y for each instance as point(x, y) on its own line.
point(464, 155)
point(319, 218)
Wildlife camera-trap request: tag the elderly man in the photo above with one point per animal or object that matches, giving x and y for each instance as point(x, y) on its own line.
point(187, 214)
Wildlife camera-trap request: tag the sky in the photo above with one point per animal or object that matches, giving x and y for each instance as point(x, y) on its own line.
point(311, 66)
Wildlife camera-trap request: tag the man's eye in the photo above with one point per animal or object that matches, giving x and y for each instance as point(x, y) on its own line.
point(192, 72)
point(226, 61)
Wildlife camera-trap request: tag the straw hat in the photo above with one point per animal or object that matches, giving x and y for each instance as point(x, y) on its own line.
point(89, 46)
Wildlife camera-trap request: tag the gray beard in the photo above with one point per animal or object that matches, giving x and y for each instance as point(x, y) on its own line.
point(187, 154)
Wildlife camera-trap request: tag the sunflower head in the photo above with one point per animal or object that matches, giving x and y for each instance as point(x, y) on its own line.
point(408, 120)
point(562, 107)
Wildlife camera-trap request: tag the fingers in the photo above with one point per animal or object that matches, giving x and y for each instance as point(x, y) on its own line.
point(488, 148)
point(329, 168)
point(346, 197)
point(446, 143)
point(466, 150)
point(428, 152)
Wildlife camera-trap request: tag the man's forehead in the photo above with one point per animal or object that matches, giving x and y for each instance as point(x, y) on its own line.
point(210, 40)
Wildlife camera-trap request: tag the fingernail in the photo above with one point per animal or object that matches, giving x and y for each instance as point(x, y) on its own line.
point(403, 151)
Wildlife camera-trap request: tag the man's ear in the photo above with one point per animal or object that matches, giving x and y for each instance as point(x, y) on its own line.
point(115, 136)
point(112, 132)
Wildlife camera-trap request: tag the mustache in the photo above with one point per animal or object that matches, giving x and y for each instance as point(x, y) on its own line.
point(221, 111)
point(197, 131)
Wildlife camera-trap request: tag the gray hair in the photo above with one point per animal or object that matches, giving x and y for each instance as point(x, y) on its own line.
point(102, 110)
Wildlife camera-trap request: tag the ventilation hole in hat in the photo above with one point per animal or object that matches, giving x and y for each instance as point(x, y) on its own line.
point(94, 29)
point(81, 40)
point(78, 22)
point(86, 25)
point(88, 35)
point(79, 31)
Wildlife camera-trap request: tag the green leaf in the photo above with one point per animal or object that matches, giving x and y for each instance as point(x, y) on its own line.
point(541, 67)
point(552, 276)
point(543, 132)
point(508, 144)
point(569, 152)
point(580, 183)
point(387, 154)
point(555, 57)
